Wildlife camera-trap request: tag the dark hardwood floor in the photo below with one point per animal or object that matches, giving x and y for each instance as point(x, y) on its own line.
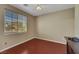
point(37, 46)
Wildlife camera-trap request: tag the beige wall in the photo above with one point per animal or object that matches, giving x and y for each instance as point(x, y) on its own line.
point(77, 20)
point(13, 39)
point(56, 25)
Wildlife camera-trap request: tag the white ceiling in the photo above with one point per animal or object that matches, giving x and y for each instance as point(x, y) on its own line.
point(46, 8)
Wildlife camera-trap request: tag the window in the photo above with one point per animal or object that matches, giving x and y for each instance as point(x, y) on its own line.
point(14, 22)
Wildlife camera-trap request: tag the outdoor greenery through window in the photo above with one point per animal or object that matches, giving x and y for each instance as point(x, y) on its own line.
point(14, 22)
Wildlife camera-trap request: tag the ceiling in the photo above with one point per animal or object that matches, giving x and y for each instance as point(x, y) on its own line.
point(46, 8)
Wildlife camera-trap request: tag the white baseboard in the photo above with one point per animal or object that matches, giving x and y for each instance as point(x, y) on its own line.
point(49, 40)
point(17, 44)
